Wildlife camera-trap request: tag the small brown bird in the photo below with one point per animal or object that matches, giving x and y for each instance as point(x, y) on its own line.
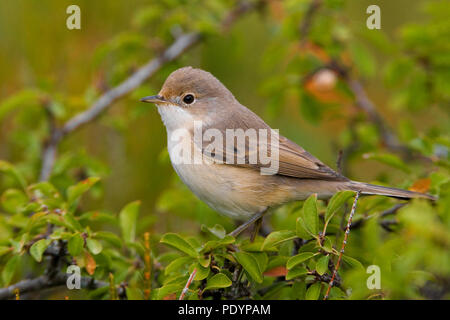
point(226, 178)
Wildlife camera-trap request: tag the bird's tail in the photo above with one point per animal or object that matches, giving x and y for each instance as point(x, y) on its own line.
point(371, 189)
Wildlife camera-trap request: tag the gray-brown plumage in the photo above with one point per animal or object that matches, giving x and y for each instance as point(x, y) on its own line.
point(239, 190)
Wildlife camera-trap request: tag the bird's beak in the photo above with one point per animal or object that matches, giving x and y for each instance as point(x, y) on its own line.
point(154, 99)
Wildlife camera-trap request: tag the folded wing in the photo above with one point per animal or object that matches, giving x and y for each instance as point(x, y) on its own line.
point(294, 161)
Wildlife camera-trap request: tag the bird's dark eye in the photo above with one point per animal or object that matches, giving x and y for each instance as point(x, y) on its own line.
point(188, 99)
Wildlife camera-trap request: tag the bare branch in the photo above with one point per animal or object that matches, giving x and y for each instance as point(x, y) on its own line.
point(365, 104)
point(307, 21)
point(362, 101)
point(182, 43)
point(344, 243)
point(242, 8)
point(393, 209)
point(188, 283)
point(339, 161)
point(45, 282)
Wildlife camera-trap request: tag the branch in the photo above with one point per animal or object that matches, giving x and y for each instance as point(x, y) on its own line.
point(389, 139)
point(175, 50)
point(344, 243)
point(383, 223)
point(45, 282)
point(188, 283)
point(305, 26)
point(180, 45)
point(362, 101)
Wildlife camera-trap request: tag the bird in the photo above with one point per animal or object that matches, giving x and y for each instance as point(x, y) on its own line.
point(225, 178)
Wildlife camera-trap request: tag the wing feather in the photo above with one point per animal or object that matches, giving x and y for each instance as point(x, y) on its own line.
point(294, 161)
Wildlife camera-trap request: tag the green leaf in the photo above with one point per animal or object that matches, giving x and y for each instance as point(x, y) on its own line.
point(202, 272)
point(75, 245)
point(38, 248)
point(177, 242)
point(217, 231)
point(310, 107)
point(299, 290)
point(299, 258)
point(389, 159)
point(250, 265)
point(277, 237)
point(310, 215)
point(276, 261)
point(336, 293)
point(262, 259)
point(327, 245)
point(336, 203)
point(109, 237)
point(218, 281)
point(128, 219)
point(8, 168)
point(10, 269)
point(363, 59)
point(322, 265)
point(76, 191)
point(211, 245)
point(205, 262)
point(44, 189)
point(71, 222)
point(296, 272)
point(134, 294)
point(4, 250)
point(302, 231)
point(313, 291)
point(94, 246)
point(352, 262)
point(13, 200)
point(23, 97)
point(164, 291)
point(177, 265)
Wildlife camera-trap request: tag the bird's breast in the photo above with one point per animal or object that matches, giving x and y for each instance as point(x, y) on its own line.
point(234, 191)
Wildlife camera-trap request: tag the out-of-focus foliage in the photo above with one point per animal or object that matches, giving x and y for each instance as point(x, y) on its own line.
point(150, 249)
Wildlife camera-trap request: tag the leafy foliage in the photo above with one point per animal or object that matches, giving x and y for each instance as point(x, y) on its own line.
point(69, 220)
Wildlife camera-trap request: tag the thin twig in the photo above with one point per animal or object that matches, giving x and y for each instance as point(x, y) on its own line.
point(179, 46)
point(389, 139)
point(147, 266)
point(344, 242)
point(326, 278)
point(307, 21)
point(339, 161)
point(242, 8)
point(392, 210)
point(383, 223)
point(362, 101)
point(46, 282)
point(188, 283)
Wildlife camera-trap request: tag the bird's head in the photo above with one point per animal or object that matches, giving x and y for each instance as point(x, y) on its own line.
point(191, 94)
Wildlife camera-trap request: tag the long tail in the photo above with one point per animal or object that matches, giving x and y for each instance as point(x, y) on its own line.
point(371, 189)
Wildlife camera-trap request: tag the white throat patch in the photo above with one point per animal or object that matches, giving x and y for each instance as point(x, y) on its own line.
point(175, 117)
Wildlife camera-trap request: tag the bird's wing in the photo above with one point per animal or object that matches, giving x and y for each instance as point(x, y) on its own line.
point(294, 161)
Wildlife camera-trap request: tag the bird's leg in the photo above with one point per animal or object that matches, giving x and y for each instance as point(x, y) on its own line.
point(246, 224)
point(256, 228)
